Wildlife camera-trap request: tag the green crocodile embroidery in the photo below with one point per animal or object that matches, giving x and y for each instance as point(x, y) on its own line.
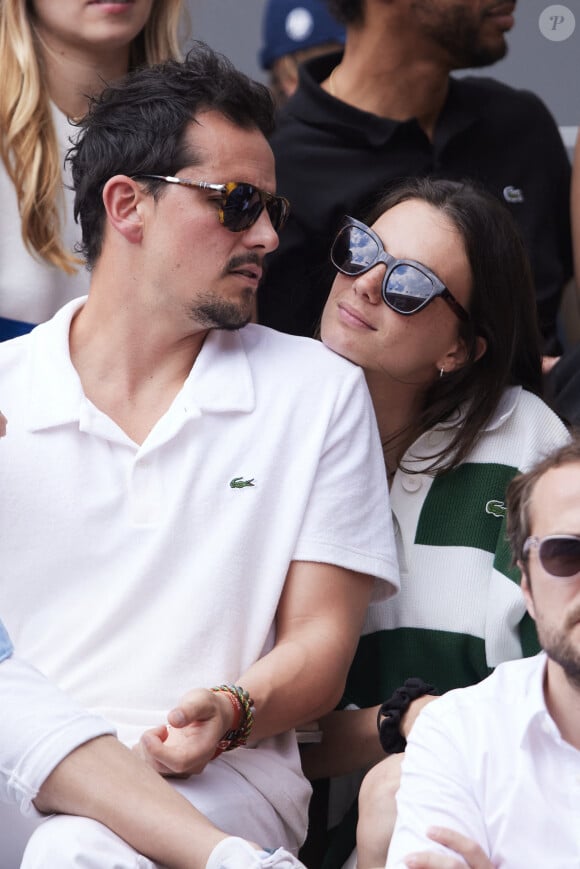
point(240, 483)
point(496, 508)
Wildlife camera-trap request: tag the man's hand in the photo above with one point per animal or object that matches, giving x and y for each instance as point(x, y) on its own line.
point(467, 848)
point(188, 743)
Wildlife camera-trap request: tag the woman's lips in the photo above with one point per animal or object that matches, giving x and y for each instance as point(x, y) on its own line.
point(352, 317)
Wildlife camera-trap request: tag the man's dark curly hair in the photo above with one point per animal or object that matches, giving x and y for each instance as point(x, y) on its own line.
point(138, 126)
point(347, 11)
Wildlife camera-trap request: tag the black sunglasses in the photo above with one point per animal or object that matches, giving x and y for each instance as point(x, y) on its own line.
point(408, 286)
point(559, 554)
point(241, 203)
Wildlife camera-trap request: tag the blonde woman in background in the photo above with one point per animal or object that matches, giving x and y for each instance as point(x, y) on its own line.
point(54, 55)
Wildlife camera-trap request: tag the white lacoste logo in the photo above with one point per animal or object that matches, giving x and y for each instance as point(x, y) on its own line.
point(513, 194)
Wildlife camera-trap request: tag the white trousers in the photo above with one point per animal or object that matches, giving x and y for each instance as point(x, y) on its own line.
point(63, 841)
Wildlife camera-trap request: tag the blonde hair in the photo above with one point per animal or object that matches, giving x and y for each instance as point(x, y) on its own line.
point(28, 143)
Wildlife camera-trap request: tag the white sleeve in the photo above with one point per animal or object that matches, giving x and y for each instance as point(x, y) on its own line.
point(39, 726)
point(437, 787)
point(348, 517)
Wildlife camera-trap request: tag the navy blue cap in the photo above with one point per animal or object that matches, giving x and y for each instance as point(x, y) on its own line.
point(291, 25)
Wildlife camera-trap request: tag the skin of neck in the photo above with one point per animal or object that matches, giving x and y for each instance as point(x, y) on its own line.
point(563, 702)
point(73, 73)
point(396, 406)
point(125, 322)
point(131, 355)
point(391, 70)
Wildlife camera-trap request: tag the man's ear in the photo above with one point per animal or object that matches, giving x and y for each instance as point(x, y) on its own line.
point(122, 197)
point(527, 590)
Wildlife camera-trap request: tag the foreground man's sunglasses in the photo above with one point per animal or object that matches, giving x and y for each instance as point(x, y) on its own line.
point(241, 204)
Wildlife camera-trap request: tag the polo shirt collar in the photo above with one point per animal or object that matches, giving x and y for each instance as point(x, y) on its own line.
point(461, 110)
point(420, 452)
point(220, 380)
point(504, 409)
point(315, 106)
point(54, 387)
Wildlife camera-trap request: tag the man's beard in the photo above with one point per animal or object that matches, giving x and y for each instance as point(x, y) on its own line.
point(457, 30)
point(560, 647)
point(215, 313)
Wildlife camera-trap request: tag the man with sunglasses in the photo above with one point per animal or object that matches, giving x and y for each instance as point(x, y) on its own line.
point(387, 109)
point(191, 525)
point(492, 772)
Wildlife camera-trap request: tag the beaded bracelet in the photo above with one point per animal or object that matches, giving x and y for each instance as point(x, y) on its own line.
point(243, 722)
point(392, 710)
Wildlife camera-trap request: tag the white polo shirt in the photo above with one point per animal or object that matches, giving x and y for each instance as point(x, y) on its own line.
point(130, 573)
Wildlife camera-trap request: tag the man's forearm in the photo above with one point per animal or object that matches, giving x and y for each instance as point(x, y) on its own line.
point(303, 676)
point(318, 625)
point(103, 780)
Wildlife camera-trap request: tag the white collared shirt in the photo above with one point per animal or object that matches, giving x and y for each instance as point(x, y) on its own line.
point(489, 762)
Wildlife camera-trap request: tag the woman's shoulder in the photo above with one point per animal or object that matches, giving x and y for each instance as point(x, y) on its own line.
point(528, 405)
point(525, 426)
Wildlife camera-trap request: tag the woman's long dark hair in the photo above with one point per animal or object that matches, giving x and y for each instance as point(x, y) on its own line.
point(502, 310)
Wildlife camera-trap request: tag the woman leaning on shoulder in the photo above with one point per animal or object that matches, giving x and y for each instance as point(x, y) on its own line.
point(434, 300)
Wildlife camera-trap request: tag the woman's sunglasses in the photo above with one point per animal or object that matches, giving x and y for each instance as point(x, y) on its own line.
point(408, 286)
point(241, 203)
point(559, 554)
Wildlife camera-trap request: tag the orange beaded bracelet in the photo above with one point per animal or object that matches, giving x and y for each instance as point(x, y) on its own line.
point(243, 722)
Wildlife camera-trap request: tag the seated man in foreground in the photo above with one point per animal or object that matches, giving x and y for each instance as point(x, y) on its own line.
point(184, 497)
point(490, 771)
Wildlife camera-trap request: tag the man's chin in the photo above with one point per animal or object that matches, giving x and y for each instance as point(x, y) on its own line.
point(231, 326)
point(487, 55)
point(224, 316)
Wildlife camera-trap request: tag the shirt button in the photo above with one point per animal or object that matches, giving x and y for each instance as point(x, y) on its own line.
point(411, 482)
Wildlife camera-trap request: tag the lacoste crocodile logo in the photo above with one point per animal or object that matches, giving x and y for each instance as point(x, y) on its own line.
point(496, 508)
point(240, 483)
point(513, 194)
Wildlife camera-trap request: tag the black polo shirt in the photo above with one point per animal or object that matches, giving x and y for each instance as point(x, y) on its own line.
point(333, 159)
